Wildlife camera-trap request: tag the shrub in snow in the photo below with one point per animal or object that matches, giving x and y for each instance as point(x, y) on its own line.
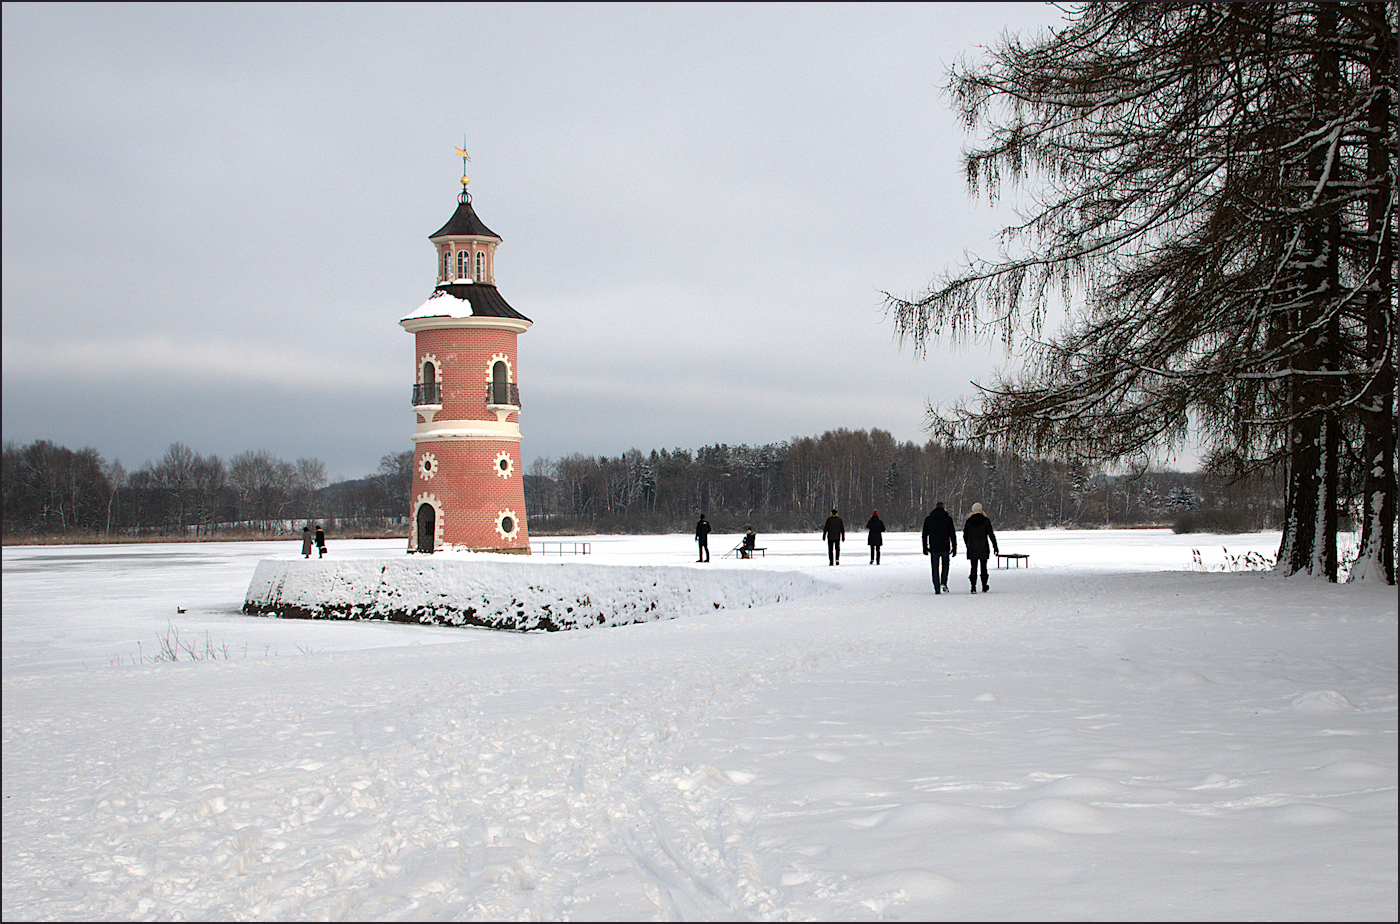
point(1216, 521)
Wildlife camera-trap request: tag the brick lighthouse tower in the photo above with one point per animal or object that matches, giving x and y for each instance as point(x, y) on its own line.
point(468, 490)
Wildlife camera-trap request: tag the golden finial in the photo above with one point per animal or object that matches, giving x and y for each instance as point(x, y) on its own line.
point(462, 152)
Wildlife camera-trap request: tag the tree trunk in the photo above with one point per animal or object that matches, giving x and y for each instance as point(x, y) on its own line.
point(1376, 553)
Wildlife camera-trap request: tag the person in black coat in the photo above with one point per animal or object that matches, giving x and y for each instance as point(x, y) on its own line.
point(833, 531)
point(876, 528)
point(746, 548)
point(702, 536)
point(321, 542)
point(940, 541)
point(977, 533)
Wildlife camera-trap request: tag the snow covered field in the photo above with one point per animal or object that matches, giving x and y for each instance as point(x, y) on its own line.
point(1109, 734)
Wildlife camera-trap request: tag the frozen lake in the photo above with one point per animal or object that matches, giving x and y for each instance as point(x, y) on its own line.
point(1113, 733)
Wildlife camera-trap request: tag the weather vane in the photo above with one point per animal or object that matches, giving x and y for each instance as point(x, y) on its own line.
point(465, 157)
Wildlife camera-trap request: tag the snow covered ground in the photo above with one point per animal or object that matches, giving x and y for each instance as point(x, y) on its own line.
point(1111, 733)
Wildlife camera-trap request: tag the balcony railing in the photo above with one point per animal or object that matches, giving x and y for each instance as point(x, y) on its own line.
point(503, 394)
point(427, 393)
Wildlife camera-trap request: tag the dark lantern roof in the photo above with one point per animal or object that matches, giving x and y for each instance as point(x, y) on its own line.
point(464, 221)
point(485, 300)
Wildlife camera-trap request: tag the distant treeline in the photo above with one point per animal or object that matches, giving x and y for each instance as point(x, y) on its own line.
point(791, 487)
point(50, 490)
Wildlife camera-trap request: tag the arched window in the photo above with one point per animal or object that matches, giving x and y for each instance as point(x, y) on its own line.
point(464, 266)
point(480, 266)
point(447, 265)
point(427, 392)
point(500, 383)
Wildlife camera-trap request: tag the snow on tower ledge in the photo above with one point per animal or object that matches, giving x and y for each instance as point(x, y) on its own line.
point(441, 304)
point(483, 591)
point(467, 300)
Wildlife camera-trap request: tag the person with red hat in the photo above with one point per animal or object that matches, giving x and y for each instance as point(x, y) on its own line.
point(876, 528)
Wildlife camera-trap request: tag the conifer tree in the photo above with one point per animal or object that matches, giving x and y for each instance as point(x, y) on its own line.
point(1214, 210)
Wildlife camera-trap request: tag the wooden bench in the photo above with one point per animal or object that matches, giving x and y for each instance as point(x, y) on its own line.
point(1017, 557)
point(760, 549)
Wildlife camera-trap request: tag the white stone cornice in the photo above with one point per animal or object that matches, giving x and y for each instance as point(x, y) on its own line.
point(438, 322)
point(455, 238)
point(482, 430)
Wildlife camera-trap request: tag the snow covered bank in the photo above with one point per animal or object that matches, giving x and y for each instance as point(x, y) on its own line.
point(493, 592)
point(1114, 733)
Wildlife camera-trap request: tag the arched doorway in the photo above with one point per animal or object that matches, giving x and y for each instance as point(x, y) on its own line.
point(427, 528)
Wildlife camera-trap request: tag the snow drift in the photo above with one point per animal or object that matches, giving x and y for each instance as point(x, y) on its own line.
point(513, 595)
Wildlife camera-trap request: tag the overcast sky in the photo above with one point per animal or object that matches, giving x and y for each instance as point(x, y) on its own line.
point(214, 217)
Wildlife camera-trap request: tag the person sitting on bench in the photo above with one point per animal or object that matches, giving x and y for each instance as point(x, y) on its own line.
point(747, 546)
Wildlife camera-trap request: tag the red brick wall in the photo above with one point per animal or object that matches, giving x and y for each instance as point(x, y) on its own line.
point(464, 358)
point(468, 484)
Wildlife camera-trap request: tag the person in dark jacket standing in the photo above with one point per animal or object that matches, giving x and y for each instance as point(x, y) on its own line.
point(940, 541)
point(321, 542)
point(702, 536)
point(977, 533)
point(833, 531)
point(875, 528)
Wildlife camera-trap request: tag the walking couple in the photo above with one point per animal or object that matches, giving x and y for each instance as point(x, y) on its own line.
point(941, 541)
